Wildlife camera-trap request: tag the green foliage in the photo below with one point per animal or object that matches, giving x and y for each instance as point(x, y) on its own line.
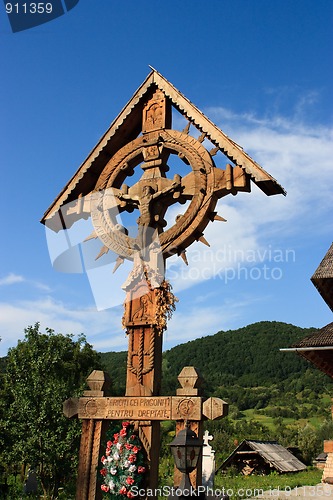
point(42, 371)
point(115, 364)
point(248, 357)
point(245, 368)
point(272, 394)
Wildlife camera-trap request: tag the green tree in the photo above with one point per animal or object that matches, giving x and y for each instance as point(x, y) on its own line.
point(41, 372)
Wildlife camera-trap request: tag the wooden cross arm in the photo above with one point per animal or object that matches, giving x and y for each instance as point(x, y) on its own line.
point(145, 408)
point(71, 407)
point(214, 409)
point(232, 179)
point(135, 408)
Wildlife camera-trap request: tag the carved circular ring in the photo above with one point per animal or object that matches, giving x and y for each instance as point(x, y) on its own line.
point(91, 408)
point(188, 227)
point(185, 408)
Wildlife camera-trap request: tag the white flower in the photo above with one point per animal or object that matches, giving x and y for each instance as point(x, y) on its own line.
point(132, 468)
point(116, 456)
point(119, 445)
point(111, 485)
point(113, 471)
point(109, 459)
point(105, 462)
point(127, 463)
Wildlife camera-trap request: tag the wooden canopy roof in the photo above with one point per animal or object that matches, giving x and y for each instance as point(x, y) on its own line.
point(323, 278)
point(128, 125)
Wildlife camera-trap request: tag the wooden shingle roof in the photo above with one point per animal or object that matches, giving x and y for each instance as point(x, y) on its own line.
point(318, 349)
point(320, 338)
point(323, 278)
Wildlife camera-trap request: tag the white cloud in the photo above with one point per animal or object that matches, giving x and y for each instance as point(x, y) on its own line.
point(299, 157)
point(102, 327)
point(192, 324)
point(11, 279)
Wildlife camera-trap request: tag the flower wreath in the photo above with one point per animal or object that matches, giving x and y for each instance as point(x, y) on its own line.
point(124, 464)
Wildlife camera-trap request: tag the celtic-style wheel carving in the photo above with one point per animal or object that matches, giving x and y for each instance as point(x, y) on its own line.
point(154, 193)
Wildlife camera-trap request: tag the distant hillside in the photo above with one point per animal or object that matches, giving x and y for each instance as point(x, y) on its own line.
point(247, 357)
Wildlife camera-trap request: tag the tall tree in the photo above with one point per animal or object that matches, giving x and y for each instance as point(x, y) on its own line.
point(42, 371)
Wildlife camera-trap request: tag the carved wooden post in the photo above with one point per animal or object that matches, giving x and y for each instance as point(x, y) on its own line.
point(144, 363)
point(92, 432)
point(190, 381)
point(212, 409)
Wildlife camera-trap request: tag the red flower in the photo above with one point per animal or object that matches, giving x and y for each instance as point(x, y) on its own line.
point(126, 424)
point(123, 432)
point(108, 452)
point(132, 458)
point(105, 488)
point(133, 437)
point(136, 449)
point(116, 436)
point(141, 469)
point(103, 458)
point(104, 471)
point(109, 444)
point(128, 446)
point(129, 480)
point(123, 490)
point(130, 494)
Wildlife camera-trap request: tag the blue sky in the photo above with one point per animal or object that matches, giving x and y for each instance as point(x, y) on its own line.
point(262, 71)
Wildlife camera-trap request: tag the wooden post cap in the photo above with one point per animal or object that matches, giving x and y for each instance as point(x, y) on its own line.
point(190, 380)
point(99, 383)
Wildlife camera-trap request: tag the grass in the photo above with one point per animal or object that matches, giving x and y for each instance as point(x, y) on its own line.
point(252, 486)
point(268, 421)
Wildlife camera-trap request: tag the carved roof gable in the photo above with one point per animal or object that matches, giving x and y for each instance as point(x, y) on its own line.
point(128, 125)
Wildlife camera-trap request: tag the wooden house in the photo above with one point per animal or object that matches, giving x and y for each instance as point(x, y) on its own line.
point(318, 347)
point(262, 457)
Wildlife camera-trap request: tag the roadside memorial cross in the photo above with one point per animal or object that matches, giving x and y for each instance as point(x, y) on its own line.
point(95, 409)
point(141, 141)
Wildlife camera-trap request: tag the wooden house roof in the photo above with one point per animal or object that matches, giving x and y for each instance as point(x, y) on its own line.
point(323, 278)
point(320, 338)
point(271, 452)
point(318, 349)
point(128, 125)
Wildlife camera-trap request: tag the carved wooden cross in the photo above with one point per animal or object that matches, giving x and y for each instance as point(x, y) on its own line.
point(141, 137)
point(95, 408)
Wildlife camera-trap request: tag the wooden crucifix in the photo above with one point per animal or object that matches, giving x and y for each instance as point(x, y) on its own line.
point(95, 409)
point(148, 296)
point(142, 143)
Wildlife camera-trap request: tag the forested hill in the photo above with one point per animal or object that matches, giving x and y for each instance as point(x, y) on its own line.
point(246, 357)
